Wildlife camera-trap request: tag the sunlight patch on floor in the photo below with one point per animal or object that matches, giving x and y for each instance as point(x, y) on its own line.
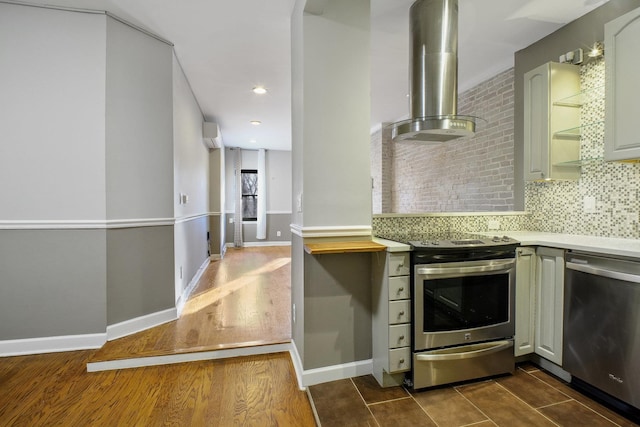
point(209, 297)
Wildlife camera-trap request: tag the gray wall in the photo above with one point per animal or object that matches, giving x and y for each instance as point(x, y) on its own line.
point(52, 283)
point(139, 272)
point(331, 180)
point(217, 219)
point(192, 167)
point(581, 33)
point(140, 180)
point(191, 249)
point(337, 309)
point(87, 126)
point(52, 173)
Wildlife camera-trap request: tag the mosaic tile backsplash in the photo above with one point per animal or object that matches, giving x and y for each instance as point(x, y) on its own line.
point(557, 206)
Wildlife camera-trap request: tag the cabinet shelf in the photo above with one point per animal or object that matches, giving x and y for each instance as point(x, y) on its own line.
point(581, 98)
point(580, 162)
point(575, 132)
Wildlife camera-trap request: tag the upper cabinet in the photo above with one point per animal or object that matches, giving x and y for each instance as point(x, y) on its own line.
point(551, 146)
point(622, 139)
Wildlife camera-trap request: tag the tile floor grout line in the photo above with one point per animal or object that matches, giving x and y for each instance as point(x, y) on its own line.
point(387, 401)
point(420, 406)
point(560, 391)
point(530, 406)
point(554, 404)
point(474, 405)
point(364, 401)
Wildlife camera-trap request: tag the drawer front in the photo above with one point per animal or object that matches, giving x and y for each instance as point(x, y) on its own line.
point(398, 287)
point(399, 336)
point(399, 359)
point(399, 264)
point(399, 312)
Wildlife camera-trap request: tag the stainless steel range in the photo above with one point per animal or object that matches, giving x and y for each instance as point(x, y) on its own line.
point(463, 293)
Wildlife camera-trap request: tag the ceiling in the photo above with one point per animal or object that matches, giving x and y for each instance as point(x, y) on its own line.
point(226, 47)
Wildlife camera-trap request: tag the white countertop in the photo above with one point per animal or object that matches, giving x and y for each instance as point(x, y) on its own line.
point(393, 246)
point(603, 245)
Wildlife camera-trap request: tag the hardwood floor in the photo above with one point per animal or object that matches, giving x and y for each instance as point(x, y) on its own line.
point(55, 390)
point(242, 300)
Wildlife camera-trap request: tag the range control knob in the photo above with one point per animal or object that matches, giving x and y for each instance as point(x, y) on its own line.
point(496, 238)
point(506, 239)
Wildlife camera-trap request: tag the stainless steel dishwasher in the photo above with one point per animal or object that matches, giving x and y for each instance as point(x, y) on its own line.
point(602, 326)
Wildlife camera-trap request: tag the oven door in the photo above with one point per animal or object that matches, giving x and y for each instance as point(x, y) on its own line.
point(463, 302)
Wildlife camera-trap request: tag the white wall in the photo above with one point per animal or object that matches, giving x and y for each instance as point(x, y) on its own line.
point(191, 163)
point(191, 177)
point(52, 114)
point(278, 175)
point(336, 116)
point(139, 125)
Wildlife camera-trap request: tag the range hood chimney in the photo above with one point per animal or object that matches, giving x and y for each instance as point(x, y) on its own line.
point(433, 69)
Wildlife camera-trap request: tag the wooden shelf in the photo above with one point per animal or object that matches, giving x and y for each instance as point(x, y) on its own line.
point(343, 247)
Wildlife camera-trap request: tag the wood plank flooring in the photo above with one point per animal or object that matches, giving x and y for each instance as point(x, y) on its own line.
point(55, 390)
point(242, 300)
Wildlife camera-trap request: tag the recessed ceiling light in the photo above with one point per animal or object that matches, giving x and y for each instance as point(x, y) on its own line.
point(260, 90)
point(255, 122)
point(253, 141)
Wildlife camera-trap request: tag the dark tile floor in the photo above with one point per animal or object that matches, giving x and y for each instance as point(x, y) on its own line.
point(530, 397)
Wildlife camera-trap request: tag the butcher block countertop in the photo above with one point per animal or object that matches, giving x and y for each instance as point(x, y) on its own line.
point(343, 247)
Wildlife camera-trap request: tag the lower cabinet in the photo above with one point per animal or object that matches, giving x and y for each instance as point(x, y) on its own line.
point(391, 308)
point(525, 300)
point(549, 303)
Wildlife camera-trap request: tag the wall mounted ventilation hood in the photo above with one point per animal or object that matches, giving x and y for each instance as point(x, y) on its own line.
point(433, 69)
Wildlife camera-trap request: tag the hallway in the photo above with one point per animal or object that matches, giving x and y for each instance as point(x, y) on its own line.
point(242, 300)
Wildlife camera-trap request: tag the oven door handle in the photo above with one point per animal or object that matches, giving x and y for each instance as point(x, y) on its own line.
point(474, 350)
point(497, 265)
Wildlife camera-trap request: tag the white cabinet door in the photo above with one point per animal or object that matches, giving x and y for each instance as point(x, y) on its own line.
point(546, 147)
point(549, 303)
point(622, 91)
point(525, 300)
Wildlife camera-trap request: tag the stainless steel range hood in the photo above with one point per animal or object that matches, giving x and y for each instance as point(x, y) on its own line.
point(433, 69)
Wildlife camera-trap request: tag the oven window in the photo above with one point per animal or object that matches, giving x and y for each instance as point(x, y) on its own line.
point(465, 302)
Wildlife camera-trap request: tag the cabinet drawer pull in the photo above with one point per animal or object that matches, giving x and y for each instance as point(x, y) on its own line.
point(400, 289)
point(401, 337)
point(401, 313)
point(401, 361)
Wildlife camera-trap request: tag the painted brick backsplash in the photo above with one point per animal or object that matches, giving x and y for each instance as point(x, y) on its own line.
point(467, 175)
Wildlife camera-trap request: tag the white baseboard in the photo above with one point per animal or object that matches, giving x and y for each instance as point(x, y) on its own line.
point(297, 364)
point(272, 243)
point(141, 323)
point(190, 287)
point(51, 344)
point(327, 373)
point(187, 357)
point(337, 372)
